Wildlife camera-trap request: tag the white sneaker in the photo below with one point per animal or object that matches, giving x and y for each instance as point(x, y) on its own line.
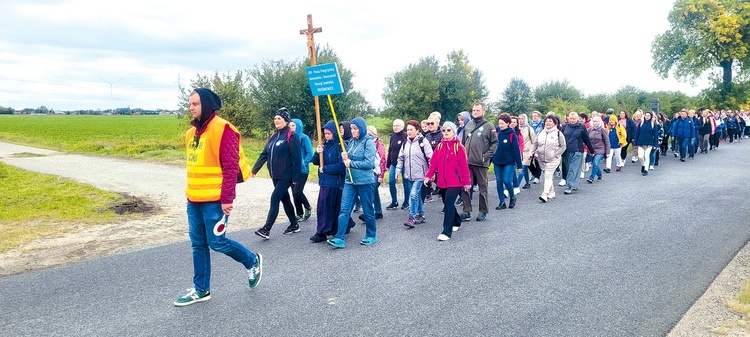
point(535, 181)
point(635, 159)
point(506, 193)
point(443, 237)
point(561, 183)
point(517, 191)
point(651, 167)
point(583, 175)
point(455, 228)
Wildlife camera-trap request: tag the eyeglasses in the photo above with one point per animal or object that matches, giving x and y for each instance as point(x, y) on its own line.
point(430, 123)
point(447, 130)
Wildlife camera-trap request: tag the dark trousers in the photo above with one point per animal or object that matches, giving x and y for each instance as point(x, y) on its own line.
point(280, 194)
point(327, 213)
point(624, 152)
point(450, 216)
point(298, 192)
point(479, 178)
point(732, 134)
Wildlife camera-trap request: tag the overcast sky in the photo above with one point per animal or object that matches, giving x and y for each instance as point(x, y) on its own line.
point(64, 53)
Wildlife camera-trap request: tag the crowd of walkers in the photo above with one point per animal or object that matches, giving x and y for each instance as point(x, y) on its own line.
point(450, 158)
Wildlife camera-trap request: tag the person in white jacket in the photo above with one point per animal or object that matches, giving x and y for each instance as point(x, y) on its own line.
point(549, 146)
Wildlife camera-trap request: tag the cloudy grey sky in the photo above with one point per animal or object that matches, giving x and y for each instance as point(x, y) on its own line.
point(63, 53)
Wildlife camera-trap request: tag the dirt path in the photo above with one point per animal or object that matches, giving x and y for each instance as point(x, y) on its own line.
point(161, 184)
point(164, 185)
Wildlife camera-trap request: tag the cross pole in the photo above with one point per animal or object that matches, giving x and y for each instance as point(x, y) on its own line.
point(311, 50)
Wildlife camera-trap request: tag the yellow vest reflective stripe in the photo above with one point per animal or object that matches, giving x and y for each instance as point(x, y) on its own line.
point(204, 174)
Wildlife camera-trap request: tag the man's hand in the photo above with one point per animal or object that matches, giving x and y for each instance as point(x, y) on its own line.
point(227, 208)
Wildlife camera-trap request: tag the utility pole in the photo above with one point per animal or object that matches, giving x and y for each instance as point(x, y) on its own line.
point(111, 100)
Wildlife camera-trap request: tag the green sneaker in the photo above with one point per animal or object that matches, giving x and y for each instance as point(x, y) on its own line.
point(299, 218)
point(308, 212)
point(193, 296)
point(254, 274)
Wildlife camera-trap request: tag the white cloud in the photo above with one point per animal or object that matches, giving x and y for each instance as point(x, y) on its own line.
point(56, 53)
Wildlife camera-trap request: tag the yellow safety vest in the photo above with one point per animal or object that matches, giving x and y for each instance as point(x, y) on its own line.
point(204, 174)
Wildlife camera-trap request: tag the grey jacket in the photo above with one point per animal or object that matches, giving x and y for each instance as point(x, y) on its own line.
point(599, 138)
point(412, 160)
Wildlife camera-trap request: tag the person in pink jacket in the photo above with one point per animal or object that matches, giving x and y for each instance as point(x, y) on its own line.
point(452, 168)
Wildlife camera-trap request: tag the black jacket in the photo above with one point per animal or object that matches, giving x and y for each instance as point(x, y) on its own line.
point(575, 137)
point(394, 146)
point(283, 154)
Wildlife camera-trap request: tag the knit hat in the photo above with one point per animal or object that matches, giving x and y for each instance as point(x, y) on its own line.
point(284, 114)
point(450, 125)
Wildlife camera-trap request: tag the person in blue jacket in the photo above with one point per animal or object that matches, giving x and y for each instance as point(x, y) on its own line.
point(359, 160)
point(331, 181)
point(507, 160)
point(645, 139)
point(298, 190)
point(684, 132)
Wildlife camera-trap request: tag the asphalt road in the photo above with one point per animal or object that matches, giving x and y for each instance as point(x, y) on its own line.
point(624, 257)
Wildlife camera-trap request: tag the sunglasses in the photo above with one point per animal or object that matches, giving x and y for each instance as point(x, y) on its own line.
point(430, 123)
point(447, 130)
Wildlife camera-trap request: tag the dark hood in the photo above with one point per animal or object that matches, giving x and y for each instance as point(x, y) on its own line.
point(347, 131)
point(331, 126)
point(210, 103)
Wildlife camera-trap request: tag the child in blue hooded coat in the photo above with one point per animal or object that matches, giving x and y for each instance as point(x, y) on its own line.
point(331, 181)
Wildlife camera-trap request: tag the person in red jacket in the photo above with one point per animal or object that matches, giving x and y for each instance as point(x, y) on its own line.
point(450, 164)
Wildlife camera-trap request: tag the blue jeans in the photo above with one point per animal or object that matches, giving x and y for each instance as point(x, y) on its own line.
point(348, 195)
point(505, 176)
point(202, 220)
point(416, 202)
point(684, 143)
point(524, 175)
point(574, 168)
point(596, 169)
point(392, 186)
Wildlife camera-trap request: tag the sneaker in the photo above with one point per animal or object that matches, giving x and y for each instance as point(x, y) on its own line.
point(606, 170)
point(634, 159)
point(337, 243)
point(583, 175)
point(682, 160)
point(466, 216)
point(193, 296)
point(405, 206)
point(645, 173)
point(292, 229)
point(590, 181)
point(507, 195)
point(262, 232)
point(409, 222)
point(481, 217)
point(599, 178)
point(455, 228)
point(561, 183)
point(617, 168)
point(299, 218)
point(501, 206)
point(254, 274)
point(459, 202)
point(443, 237)
point(361, 217)
point(516, 190)
point(308, 213)
point(317, 237)
point(392, 207)
point(568, 190)
point(527, 186)
point(369, 241)
point(512, 203)
point(419, 219)
point(378, 216)
point(551, 195)
point(651, 167)
point(543, 198)
point(675, 154)
point(428, 199)
point(535, 181)
point(356, 208)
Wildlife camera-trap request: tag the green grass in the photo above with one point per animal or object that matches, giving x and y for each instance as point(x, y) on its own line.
point(38, 205)
point(150, 138)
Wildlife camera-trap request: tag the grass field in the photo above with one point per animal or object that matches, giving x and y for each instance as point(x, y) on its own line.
point(39, 205)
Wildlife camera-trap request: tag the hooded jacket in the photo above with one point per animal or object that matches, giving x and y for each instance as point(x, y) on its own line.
point(283, 156)
point(508, 151)
point(618, 137)
point(599, 138)
point(449, 162)
point(413, 159)
point(307, 150)
point(480, 142)
point(361, 152)
point(466, 116)
point(549, 146)
point(645, 134)
point(333, 165)
point(575, 137)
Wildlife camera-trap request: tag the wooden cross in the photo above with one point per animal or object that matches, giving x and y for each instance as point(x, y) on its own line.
point(311, 49)
point(310, 39)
